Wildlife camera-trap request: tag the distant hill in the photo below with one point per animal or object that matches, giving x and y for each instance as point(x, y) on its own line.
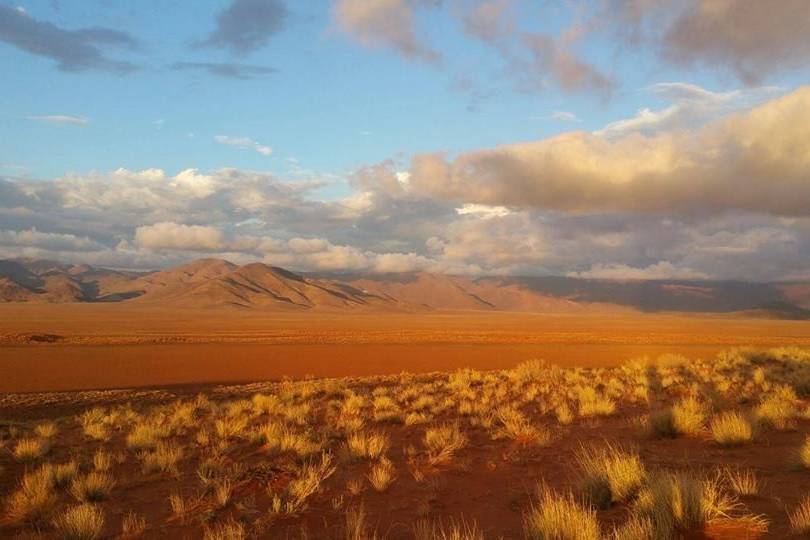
point(212, 283)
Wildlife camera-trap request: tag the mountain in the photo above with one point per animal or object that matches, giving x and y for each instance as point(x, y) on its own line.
point(212, 283)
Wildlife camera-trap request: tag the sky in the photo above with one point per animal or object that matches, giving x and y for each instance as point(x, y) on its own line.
point(622, 139)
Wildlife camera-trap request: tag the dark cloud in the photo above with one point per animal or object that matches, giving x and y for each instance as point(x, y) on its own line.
point(73, 50)
point(247, 25)
point(228, 70)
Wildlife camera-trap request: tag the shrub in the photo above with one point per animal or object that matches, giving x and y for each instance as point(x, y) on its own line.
point(681, 502)
point(145, 436)
point(382, 474)
point(775, 411)
point(93, 487)
point(661, 424)
point(592, 403)
point(163, 459)
point(512, 424)
point(732, 428)
point(743, 482)
point(64, 473)
point(560, 518)
point(443, 442)
point(29, 450)
point(231, 427)
point(133, 525)
point(229, 530)
point(610, 474)
point(800, 517)
point(81, 522)
point(46, 430)
point(425, 530)
point(33, 501)
point(804, 454)
point(371, 445)
point(688, 416)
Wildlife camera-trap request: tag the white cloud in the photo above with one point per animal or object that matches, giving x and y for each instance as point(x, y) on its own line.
point(61, 119)
point(170, 235)
point(243, 142)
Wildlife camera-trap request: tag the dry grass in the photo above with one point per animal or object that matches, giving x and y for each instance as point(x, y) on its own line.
point(81, 522)
point(556, 517)
point(610, 474)
point(164, 458)
point(804, 453)
point(512, 424)
point(133, 525)
point(92, 487)
point(30, 450)
point(680, 502)
point(688, 416)
point(367, 445)
point(46, 430)
point(443, 442)
point(229, 530)
point(464, 530)
point(732, 428)
point(33, 500)
point(382, 474)
point(800, 517)
point(742, 482)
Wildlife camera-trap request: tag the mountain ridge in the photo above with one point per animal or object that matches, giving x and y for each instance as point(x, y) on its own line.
point(217, 283)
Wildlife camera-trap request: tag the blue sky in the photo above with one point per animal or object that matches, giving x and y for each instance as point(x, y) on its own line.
point(333, 104)
point(331, 90)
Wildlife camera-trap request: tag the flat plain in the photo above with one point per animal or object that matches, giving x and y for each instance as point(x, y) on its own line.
point(57, 347)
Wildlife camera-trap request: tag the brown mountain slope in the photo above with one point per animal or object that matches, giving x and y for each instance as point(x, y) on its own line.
point(426, 290)
point(214, 283)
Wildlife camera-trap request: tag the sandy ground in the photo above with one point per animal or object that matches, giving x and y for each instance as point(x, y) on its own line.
point(120, 346)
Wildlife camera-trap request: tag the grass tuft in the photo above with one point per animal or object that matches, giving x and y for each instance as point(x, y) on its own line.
point(80, 522)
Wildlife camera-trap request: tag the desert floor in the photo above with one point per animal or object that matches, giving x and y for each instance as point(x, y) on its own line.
point(98, 346)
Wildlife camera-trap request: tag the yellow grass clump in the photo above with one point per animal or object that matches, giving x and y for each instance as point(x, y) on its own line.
point(732, 428)
point(81, 522)
point(93, 487)
point(556, 517)
point(382, 474)
point(610, 474)
point(29, 450)
point(367, 445)
point(34, 499)
point(443, 442)
point(800, 517)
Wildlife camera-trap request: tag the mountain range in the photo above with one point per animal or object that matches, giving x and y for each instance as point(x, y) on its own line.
point(212, 283)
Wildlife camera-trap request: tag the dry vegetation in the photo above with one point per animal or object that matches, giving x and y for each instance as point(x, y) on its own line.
point(649, 450)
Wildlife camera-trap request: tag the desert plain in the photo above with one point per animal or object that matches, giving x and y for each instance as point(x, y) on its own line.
point(134, 421)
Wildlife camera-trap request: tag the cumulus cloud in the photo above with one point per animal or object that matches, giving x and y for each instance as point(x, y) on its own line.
point(383, 23)
point(228, 70)
point(726, 200)
point(61, 119)
point(51, 241)
point(752, 161)
point(247, 25)
point(243, 142)
point(170, 235)
point(73, 50)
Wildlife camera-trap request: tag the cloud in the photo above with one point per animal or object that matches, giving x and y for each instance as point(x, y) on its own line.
point(691, 106)
point(61, 119)
point(228, 70)
point(170, 235)
point(52, 241)
point(571, 73)
point(749, 39)
point(243, 142)
point(150, 219)
point(383, 23)
point(746, 161)
point(659, 270)
point(488, 20)
point(73, 50)
point(247, 25)
point(564, 116)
